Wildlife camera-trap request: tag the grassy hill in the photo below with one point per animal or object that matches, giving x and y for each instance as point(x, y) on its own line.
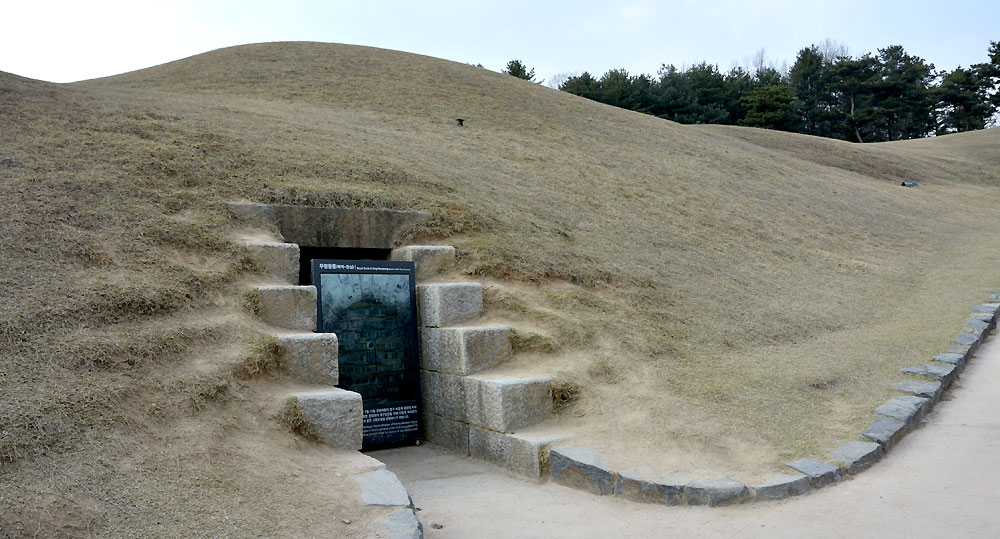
point(726, 298)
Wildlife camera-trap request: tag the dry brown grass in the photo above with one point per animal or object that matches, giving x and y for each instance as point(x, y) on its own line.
point(739, 295)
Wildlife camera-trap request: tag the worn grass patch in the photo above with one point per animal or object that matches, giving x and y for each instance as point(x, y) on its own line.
point(297, 421)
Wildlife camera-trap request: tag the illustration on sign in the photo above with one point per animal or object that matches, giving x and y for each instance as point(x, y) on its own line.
point(371, 306)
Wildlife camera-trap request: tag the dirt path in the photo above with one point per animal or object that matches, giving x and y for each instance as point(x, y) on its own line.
point(943, 480)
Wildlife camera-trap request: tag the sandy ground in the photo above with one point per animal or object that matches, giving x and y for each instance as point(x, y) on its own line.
point(941, 481)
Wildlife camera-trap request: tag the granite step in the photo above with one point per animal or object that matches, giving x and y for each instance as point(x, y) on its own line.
point(449, 304)
point(276, 260)
point(284, 306)
point(310, 358)
point(464, 350)
point(334, 415)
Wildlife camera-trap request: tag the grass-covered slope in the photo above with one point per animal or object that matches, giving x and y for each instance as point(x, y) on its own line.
point(726, 297)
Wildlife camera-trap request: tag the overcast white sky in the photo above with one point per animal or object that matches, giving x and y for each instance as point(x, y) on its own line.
point(63, 41)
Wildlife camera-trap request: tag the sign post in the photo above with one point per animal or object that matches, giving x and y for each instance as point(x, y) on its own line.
point(371, 306)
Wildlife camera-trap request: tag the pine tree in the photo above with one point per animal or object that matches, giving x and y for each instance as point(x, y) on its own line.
point(517, 69)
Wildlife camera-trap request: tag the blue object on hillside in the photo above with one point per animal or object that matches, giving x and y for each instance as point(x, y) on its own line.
point(909, 184)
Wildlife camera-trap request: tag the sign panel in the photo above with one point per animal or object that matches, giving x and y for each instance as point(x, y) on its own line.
point(372, 307)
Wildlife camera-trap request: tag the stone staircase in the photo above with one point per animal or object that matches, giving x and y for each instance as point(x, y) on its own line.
point(309, 357)
point(467, 407)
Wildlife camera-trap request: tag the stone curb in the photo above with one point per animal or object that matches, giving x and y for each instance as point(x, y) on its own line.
point(583, 468)
point(383, 488)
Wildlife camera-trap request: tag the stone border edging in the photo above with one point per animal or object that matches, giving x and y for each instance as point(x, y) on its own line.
point(381, 487)
point(582, 468)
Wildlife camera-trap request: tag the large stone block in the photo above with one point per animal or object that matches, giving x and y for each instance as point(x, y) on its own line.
point(715, 492)
point(525, 454)
point(966, 339)
point(336, 414)
point(782, 486)
point(976, 326)
point(447, 432)
point(820, 473)
point(286, 306)
point(400, 524)
point(444, 395)
point(428, 259)
point(989, 308)
point(382, 487)
point(449, 304)
point(464, 350)
point(964, 350)
point(581, 468)
point(857, 456)
point(311, 358)
point(948, 357)
point(909, 410)
point(506, 404)
point(920, 388)
point(885, 430)
point(313, 226)
point(276, 259)
point(989, 318)
point(633, 486)
point(938, 371)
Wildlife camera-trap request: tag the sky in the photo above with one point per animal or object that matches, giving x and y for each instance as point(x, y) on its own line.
point(65, 41)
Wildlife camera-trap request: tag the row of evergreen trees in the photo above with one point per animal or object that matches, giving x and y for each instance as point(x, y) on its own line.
point(887, 96)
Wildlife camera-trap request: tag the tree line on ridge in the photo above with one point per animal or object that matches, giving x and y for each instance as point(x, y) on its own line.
point(886, 96)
